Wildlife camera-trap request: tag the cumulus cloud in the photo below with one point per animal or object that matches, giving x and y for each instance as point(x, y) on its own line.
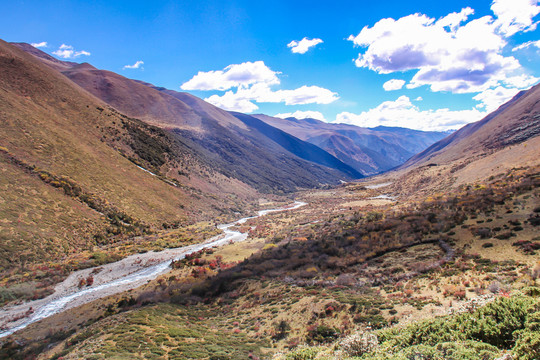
point(236, 75)
point(39, 45)
point(67, 52)
point(302, 46)
point(447, 55)
point(231, 102)
point(453, 20)
point(306, 95)
point(242, 99)
point(491, 99)
point(302, 115)
point(403, 113)
point(515, 15)
point(522, 81)
point(252, 82)
point(137, 65)
point(527, 45)
point(452, 53)
point(393, 84)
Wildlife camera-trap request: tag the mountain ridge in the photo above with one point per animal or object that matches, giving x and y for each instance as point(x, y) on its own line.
point(368, 150)
point(518, 116)
point(204, 127)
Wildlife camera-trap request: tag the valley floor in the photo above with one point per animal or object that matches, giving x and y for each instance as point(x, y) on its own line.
point(351, 261)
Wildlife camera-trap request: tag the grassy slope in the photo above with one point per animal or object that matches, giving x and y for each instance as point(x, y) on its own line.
point(39, 221)
point(55, 137)
point(507, 325)
point(53, 125)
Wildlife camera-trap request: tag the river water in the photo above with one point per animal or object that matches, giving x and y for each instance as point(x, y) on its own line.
point(57, 303)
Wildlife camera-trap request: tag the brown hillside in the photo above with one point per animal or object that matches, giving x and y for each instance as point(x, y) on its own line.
point(513, 123)
point(135, 99)
point(46, 58)
point(506, 139)
point(215, 137)
point(68, 173)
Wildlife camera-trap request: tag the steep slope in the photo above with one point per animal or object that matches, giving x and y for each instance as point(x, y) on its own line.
point(272, 142)
point(512, 123)
point(497, 145)
point(217, 137)
point(46, 58)
point(302, 149)
point(70, 174)
point(369, 151)
point(133, 98)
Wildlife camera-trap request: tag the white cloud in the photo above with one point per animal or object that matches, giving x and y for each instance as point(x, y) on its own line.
point(231, 102)
point(307, 95)
point(39, 45)
point(515, 15)
point(526, 45)
point(302, 46)
point(236, 75)
point(242, 99)
point(67, 52)
point(520, 81)
point(448, 54)
point(137, 65)
point(252, 82)
point(403, 113)
point(393, 84)
point(418, 99)
point(491, 99)
point(453, 20)
point(302, 115)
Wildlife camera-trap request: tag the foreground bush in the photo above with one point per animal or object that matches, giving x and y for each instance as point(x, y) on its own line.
point(506, 325)
point(493, 324)
point(359, 344)
point(467, 350)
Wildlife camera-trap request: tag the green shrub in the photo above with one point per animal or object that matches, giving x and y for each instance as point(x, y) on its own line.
point(321, 334)
point(307, 353)
point(531, 291)
point(527, 345)
point(220, 356)
point(493, 324)
point(468, 350)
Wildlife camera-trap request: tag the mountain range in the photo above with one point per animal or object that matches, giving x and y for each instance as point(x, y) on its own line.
point(368, 150)
point(359, 151)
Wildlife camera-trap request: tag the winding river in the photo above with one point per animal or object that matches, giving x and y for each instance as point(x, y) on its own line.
point(117, 277)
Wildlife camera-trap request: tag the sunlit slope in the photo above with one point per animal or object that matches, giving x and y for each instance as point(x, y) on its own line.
point(513, 123)
point(68, 166)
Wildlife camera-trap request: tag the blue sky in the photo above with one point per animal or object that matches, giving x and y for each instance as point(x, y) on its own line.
point(420, 64)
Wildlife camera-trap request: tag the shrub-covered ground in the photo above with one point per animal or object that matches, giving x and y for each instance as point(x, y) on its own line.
point(320, 276)
point(508, 325)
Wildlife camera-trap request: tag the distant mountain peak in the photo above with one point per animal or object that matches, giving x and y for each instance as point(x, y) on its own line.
point(369, 151)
